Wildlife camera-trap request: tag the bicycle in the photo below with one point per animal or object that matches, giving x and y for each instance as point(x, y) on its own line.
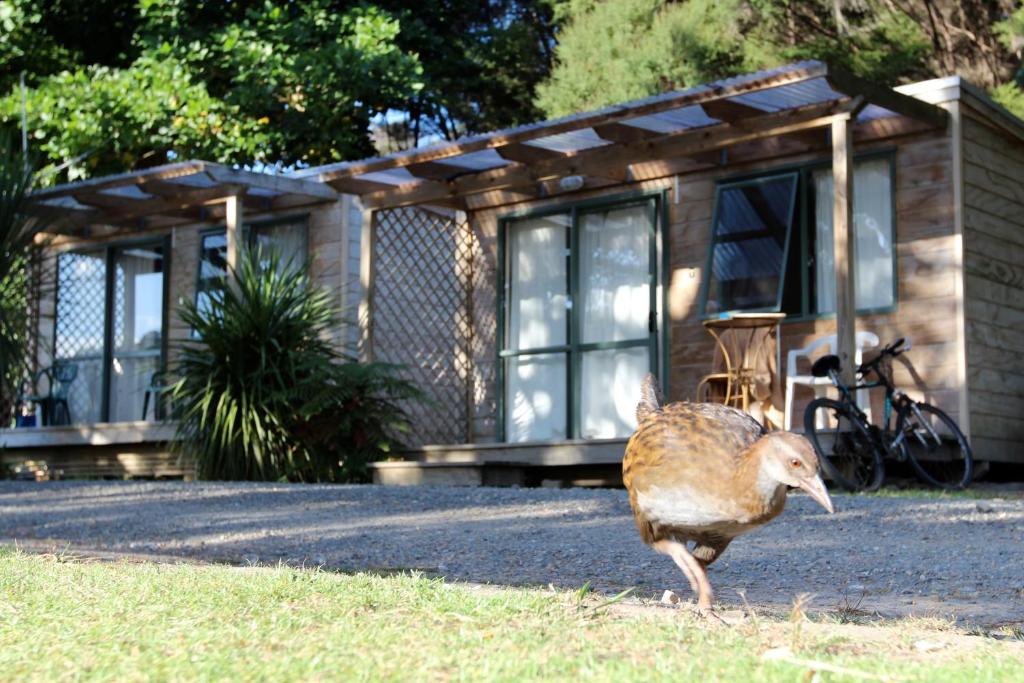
point(851, 449)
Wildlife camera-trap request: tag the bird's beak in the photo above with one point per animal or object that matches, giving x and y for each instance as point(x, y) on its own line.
point(816, 487)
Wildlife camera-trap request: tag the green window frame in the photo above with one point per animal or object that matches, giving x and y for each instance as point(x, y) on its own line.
point(575, 348)
point(798, 264)
point(721, 239)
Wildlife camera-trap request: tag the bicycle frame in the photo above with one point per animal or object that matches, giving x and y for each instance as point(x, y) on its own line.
point(893, 396)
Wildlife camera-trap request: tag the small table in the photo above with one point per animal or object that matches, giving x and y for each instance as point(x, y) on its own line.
point(748, 344)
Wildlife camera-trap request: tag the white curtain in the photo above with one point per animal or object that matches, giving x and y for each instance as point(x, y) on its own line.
point(537, 282)
point(536, 398)
point(614, 274)
point(610, 390)
point(872, 235)
point(288, 239)
point(535, 391)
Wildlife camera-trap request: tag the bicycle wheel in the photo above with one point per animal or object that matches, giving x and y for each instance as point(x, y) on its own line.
point(848, 453)
point(935, 446)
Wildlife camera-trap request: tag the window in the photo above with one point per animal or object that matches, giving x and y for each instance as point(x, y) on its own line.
point(769, 255)
point(872, 236)
point(752, 234)
point(579, 320)
point(287, 236)
point(110, 325)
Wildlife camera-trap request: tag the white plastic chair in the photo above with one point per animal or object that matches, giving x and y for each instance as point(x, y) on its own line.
point(820, 347)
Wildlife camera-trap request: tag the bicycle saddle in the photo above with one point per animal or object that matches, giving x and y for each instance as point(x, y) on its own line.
point(824, 365)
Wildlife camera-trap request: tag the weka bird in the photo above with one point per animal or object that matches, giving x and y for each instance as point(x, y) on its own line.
point(706, 473)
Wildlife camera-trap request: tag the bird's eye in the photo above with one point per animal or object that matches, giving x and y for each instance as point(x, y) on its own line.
point(794, 463)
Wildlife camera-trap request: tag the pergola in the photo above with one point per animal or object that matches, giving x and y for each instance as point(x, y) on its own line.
point(169, 195)
point(800, 107)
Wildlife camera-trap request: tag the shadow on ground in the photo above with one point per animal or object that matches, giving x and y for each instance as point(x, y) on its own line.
point(957, 558)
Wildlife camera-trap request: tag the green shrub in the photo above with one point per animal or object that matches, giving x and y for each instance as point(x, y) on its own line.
point(263, 395)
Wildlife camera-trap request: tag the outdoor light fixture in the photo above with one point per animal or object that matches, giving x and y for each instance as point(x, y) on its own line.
point(570, 183)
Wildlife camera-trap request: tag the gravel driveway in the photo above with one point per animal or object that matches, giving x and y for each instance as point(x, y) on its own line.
point(959, 557)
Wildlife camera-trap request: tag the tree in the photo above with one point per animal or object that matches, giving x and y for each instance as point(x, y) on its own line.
point(1011, 33)
point(481, 61)
point(621, 49)
point(120, 84)
point(274, 82)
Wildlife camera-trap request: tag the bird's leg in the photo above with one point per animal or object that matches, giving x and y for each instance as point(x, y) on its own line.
point(694, 572)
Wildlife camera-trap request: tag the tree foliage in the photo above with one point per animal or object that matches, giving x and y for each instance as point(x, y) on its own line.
point(1011, 33)
point(120, 84)
point(620, 49)
point(263, 81)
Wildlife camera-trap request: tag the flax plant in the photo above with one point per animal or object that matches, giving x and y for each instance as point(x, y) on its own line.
point(262, 394)
point(17, 233)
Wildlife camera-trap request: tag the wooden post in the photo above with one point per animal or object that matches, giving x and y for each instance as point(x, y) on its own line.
point(843, 244)
point(367, 268)
point(233, 221)
point(956, 131)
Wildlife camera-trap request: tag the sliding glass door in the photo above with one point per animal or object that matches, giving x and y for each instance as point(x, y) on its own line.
point(580, 320)
point(110, 326)
point(137, 335)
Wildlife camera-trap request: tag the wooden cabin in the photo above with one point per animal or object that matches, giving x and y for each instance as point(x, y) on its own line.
point(528, 278)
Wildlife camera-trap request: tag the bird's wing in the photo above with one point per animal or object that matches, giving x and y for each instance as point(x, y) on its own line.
point(689, 437)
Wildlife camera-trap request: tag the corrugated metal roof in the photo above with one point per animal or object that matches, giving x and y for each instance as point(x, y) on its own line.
point(618, 109)
point(572, 141)
point(392, 176)
point(673, 119)
point(790, 96)
point(477, 161)
point(129, 191)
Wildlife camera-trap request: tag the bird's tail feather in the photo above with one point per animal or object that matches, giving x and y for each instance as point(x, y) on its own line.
point(650, 397)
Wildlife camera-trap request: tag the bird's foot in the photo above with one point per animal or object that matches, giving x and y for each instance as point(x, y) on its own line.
point(708, 613)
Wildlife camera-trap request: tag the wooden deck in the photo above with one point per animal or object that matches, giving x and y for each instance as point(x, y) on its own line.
point(119, 450)
point(562, 463)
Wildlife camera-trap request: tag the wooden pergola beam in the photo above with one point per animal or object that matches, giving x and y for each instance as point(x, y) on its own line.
point(141, 208)
point(599, 161)
point(273, 183)
point(358, 186)
point(527, 154)
point(163, 188)
point(177, 170)
point(622, 132)
point(731, 112)
point(434, 170)
point(887, 98)
point(613, 114)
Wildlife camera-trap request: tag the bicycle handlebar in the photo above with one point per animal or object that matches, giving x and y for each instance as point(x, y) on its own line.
point(894, 349)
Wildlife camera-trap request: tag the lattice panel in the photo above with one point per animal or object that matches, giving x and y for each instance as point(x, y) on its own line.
point(81, 298)
point(422, 316)
point(33, 292)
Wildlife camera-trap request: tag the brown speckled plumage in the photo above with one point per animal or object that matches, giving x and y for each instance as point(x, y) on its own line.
point(706, 473)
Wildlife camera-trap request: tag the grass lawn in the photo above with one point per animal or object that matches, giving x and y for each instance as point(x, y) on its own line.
point(68, 619)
